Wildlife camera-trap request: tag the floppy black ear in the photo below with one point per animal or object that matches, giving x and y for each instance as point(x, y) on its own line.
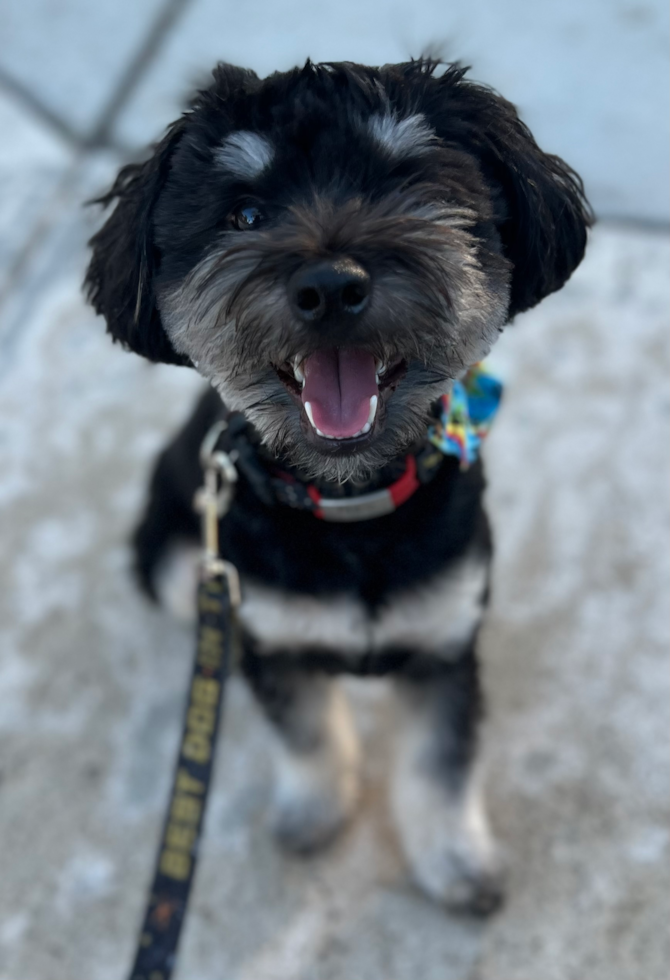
point(540, 207)
point(543, 231)
point(119, 280)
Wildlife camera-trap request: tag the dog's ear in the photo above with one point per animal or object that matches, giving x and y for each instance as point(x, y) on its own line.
point(540, 207)
point(543, 230)
point(119, 280)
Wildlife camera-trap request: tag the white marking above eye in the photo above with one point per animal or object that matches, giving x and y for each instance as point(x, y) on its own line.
point(245, 154)
point(402, 137)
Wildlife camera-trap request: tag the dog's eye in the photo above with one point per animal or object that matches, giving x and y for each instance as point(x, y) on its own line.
point(247, 217)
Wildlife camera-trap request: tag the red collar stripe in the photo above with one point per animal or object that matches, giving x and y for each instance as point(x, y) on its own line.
point(408, 483)
point(368, 505)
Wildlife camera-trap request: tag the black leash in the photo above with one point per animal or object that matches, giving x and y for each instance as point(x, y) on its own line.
point(218, 599)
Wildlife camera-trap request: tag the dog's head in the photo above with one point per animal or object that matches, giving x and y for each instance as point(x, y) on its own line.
point(332, 245)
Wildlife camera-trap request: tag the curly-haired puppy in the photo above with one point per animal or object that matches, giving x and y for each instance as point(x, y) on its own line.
point(331, 247)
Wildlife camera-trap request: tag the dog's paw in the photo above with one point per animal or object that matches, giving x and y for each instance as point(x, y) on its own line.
point(446, 838)
point(461, 878)
point(315, 796)
point(305, 823)
point(316, 792)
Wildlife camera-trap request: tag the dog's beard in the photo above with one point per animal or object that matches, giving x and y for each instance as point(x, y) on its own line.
point(405, 418)
point(434, 310)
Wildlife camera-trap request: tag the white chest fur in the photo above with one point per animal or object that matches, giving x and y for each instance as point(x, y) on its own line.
point(442, 611)
point(436, 614)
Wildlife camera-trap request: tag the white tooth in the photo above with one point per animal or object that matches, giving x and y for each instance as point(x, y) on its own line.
point(373, 411)
point(308, 413)
point(366, 428)
point(380, 369)
point(297, 371)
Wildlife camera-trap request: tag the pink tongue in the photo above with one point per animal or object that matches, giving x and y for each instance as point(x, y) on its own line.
point(338, 386)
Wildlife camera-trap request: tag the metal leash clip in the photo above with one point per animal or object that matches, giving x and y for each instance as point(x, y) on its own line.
point(212, 501)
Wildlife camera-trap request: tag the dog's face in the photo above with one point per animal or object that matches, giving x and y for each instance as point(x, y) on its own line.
point(330, 247)
point(321, 266)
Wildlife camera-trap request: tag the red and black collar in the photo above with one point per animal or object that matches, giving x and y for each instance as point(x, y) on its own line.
point(463, 417)
point(361, 506)
point(276, 484)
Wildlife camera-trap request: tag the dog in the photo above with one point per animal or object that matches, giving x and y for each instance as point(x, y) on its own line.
point(333, 249)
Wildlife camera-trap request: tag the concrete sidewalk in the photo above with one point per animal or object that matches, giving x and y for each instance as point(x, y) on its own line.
point(92, 679)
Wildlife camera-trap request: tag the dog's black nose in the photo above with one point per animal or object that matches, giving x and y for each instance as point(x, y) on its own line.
point(329, 288)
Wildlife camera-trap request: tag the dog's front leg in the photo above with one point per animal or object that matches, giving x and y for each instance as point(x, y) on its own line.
point(436, 787)
point(317, 752)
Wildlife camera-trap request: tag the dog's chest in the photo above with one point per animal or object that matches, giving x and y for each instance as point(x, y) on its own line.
point(440, 613)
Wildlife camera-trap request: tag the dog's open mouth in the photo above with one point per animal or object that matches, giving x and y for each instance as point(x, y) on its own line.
point(341, 390)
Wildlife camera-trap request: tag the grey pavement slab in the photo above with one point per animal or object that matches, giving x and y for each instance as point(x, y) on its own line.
point(71, 54)
point(32, 163)
point(589, 78)
point(43, 233)
point(575, 655)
